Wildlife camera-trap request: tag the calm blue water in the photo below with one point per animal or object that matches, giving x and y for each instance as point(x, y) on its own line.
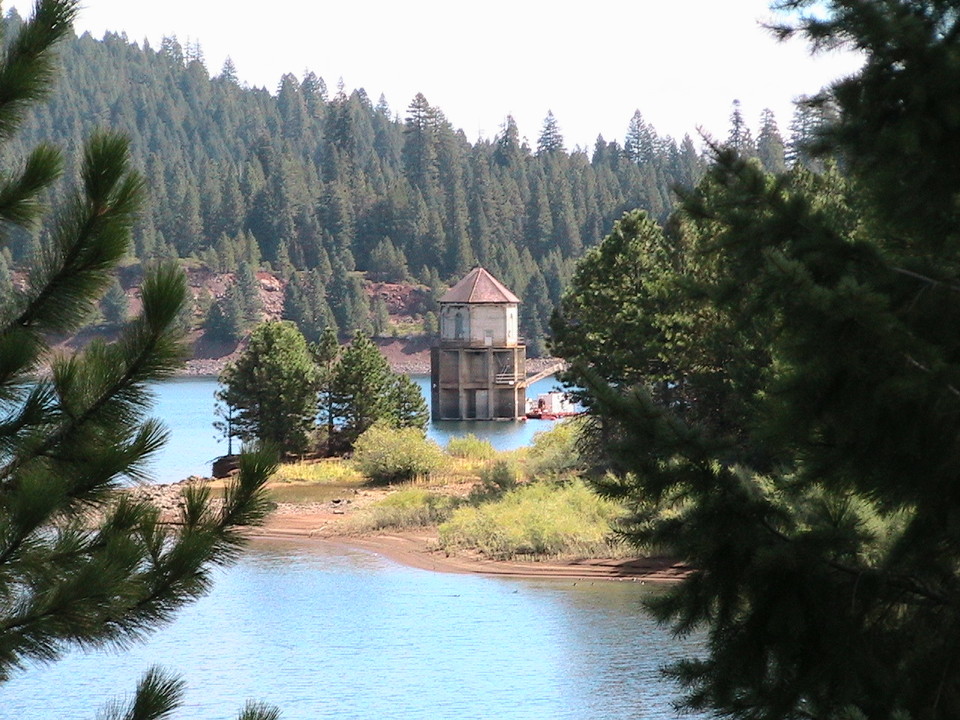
point(329, 632)
point(186, 407)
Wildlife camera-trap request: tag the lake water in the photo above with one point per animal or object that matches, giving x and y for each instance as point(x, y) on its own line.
point(186, 407)
point(329, 632)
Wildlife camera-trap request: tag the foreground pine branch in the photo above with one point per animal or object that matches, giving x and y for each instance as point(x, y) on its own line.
point(83, 563)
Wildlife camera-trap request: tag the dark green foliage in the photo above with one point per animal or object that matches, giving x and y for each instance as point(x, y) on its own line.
point(348, 301)
point(387, 263)
point(114, 305)
point(550, 140)
point(225, 320)
point(379, 316)
point(361, 388)
point(740, 138)
point(770, 147)
point(365, 391)
point(158, 696)
point(604, 319)
point(640, 143)
point(808, 120)
point(902, 105)
point(282, 391)
point(303, 181)
point(305, 304)
point(83, 564)
point(787, 422)
point(272, 388)
point(420, 145)
point(431, 326)
point(536, 305)
point(326, 356)
point(507, 152)
point(407, 406)
point(248, 289)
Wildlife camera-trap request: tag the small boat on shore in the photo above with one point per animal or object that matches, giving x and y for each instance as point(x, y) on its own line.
point(552, 405)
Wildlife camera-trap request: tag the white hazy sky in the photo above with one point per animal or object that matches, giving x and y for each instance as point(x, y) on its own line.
point(680, 62)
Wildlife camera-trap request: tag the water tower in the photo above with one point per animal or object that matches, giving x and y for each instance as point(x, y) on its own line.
point(478, 371)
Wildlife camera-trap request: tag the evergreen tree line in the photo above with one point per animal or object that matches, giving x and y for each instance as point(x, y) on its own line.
point(322, 184)
point(320, 397)
point(772, 381)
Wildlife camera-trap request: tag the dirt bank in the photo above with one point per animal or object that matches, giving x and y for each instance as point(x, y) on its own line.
point(322, 523)
point(328, 522)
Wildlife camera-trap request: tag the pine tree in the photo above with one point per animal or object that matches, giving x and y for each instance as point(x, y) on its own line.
point(807, 119)
point(408, 408)
point(224, 321)
point(248, 290)
point(770, 146)
point(379, 316)
point(419, 145)
point(812, 489)
point(740, 138)
point(387, 263)
point(188, 230)
point(638, 146)
point(297, 307)
point(507, 151)
point(550, 140)
point(114, 305)
point(362, 388)
point(228, 73)
point(71, 578)
point(326, 356)
point(272, 387)
point(348, 301)
point(431, 326)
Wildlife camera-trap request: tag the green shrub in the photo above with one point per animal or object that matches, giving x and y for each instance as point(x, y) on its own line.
point(414, 507)
point(470, 447)
point(537, 519)
point(554, 452)
point(498, 477)
point(386, 454)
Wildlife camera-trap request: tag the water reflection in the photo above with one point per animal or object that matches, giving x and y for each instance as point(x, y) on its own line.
point(327, 632)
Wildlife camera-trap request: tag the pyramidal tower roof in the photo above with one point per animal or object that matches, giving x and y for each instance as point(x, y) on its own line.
point(479, 286)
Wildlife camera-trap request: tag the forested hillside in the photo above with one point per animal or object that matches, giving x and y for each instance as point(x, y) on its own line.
point(333, 190)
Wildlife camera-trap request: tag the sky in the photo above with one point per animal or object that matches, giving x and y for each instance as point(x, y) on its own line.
point(680, 62)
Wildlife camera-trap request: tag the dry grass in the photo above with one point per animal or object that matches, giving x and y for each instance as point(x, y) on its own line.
point(542, 519)
point(405, 508)
point(472, 498)
point(331, 471)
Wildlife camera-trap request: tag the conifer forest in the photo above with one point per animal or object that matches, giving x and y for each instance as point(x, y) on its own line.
point(332, 190)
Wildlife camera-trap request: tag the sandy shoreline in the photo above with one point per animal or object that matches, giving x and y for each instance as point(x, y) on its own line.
point(328, 522)
point(419, 548)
